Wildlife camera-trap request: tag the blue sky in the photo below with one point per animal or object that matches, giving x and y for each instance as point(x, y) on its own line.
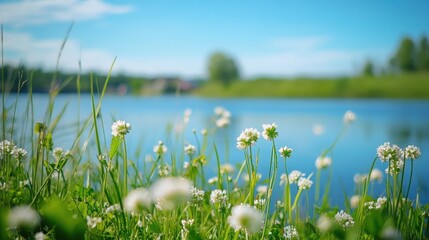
point(275, 38)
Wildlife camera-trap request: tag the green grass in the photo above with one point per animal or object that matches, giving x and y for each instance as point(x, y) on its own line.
point(409, 86)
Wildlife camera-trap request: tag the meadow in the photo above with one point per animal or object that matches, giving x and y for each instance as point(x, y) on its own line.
point(94, 190)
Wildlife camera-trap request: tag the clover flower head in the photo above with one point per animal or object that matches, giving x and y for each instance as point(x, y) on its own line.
point(247, 218)
point(204, 132)
point(219, 198)
point(197, 195)
point(40, 236)
point(171, 191)
point(285, 151)
point(295, 175)
point(212, 180)
point(412, 152)
point(23, 217)
point(354, 201)
point(270, 131)
point(227, 168)
point(395, 167)
point(113, 208)
point(323, 162)
point(304, 183)
point(186, 225)
point(19, 154)
point(93, 221)
point(190, 149)
point(259, 203)
point(160, 148)
point(187, 115)
point(137, 200)
point(387, 152)
point(349, 117)
point(344, 219)
point(247, 138)
point(376, 175)
point(120, 128)
point(5, 148)
point(318, 129)
point(262, 189)
point(324, 223)
point(290, 232)
point(222, 122)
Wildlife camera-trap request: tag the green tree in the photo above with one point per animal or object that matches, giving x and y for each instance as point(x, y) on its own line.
point(405, 57)
point(368, 68)
point(423, 54)
point(222, 68)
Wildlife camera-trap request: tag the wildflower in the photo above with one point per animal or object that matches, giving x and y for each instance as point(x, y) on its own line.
point(318, 129)
point(412, 152)
point(58, 153)
point(222, 122)
point(3, 185)
point(92, 221)
point(186, 164)
point(5, 148)
point(245, 217)
point(120, 128)
point(24, 183)
point(354, 201)
point(204, 132)
point(258, 176)
point(359, 178)
point(19, 154)
point(190, 149)
point(387, 152)
point(137, 200)
point(197, 195)
point(40, 236)
point(283, 179)
point(270, 131)
point(376, 175)
point(187, 115)
point(227, 168)
point(219, 198)
point(285, 151)
point(344, 219)
point(23, 217)
point(247, 138)
point(324, 223)
point(212, 180)
point(113, 208)
point(304, 183)
point(395, 167)
point(160, 149)
point(259, 203)
point(163, 170)
point(323, 162)
point(295, 175)
point(290, 232)
point(262, 189)
point(186, 225)
point(139, 224)
point(219, 110)
point(171, 191)
point(376, 204)
point(349, 117)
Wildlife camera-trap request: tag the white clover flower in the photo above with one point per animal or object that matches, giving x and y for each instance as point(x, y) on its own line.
point(163, 170)
point(40, 236)
point(137, 200)
point(219, 198)
point(283, 179)
point(290, 232)
point(247, 218)
point(197, 196)
point(381, 200)
point(204, 132)
point(344, 219)
point(247, 138)
point(227, 168)
point(23, 217)
point(323, 162)
point(223, 122)
point(212, 180)
point(376, 175)
point(324, 223)
point(354, 201)
point(387, 152)
point(295, 175)
point(304, 183)
point(375, 205)
point(58, 153)
point(285, 151)
point(186, 225)
point(190, 149)
point(349, 117)
point(412, 152)
point(93, 221)
point(359, 178)
point(259, 203)
point(139, 224)
point(262, 189)
point(187, 115)
point(120, 128)
point(19, 154)
point(171, 191)
point(258, 177)
point(186, 164)
point(160, 148)
point(395, 167)
point(113, 208)
point(270, 131)
point(219, 110)
point(5, 148)
point(318, 129)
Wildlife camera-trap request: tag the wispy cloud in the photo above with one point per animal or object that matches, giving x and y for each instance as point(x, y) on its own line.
point(28, 12)
point(300, 43)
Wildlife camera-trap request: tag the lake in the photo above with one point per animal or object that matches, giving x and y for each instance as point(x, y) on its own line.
point(401, 122)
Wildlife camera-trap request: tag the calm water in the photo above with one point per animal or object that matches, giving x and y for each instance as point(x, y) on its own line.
point(401, 122)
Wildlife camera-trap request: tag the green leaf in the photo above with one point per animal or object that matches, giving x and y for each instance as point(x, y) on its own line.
point(114, 146)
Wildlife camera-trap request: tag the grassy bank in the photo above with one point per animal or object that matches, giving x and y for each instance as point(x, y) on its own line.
point(407, 86)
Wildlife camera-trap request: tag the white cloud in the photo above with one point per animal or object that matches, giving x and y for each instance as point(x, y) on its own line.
point(301, 43)
point(35, 12)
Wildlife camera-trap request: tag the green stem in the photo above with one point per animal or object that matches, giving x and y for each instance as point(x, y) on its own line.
point(125, 168)
point(411, 177)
